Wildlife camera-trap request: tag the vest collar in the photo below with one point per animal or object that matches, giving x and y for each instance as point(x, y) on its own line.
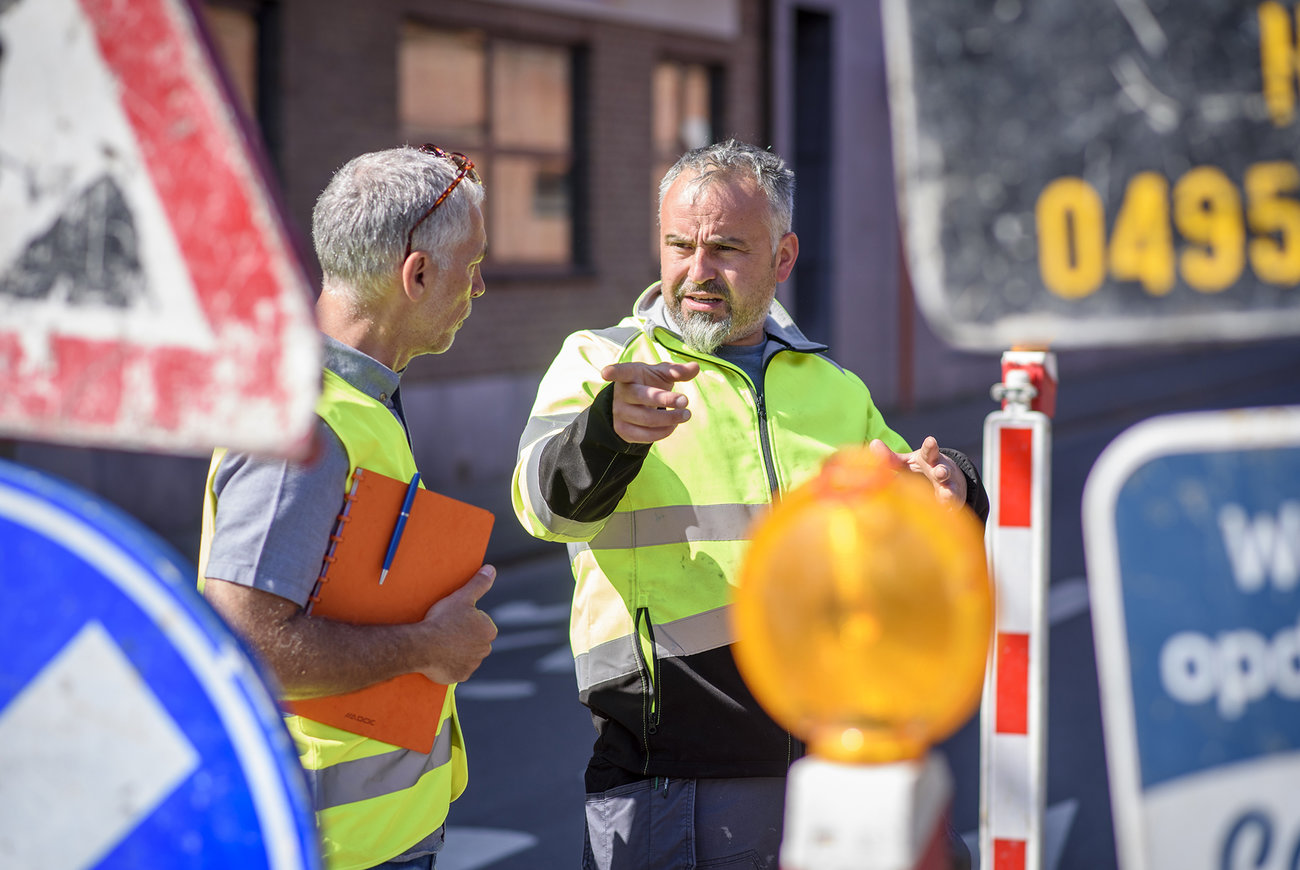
point(363, 372)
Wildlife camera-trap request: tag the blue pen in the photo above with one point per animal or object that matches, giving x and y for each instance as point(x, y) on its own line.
point(401, 524)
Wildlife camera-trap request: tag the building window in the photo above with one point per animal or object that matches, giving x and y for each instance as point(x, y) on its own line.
point(685, 106)
point(509, 104)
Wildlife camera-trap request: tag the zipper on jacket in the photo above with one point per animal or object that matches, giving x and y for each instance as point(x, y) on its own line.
point(764, 437)
point(649, 668)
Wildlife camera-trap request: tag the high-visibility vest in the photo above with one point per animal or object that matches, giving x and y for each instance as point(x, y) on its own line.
point(650, 627)
point(373, 800)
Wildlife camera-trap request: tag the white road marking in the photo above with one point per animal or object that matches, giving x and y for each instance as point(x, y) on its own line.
point(524, 639)
point(471, 848)
point(530, 613)
point(496, 690)
point(557, 661)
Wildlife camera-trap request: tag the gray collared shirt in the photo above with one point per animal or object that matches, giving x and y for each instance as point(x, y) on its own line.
point(274, 517)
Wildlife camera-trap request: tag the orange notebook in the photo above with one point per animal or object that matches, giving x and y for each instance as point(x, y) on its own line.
point(441, 547)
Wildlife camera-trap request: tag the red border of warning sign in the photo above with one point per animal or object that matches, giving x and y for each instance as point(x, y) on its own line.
point(243, 393)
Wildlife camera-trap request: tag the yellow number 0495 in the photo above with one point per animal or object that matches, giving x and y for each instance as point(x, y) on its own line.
point(1205, 209)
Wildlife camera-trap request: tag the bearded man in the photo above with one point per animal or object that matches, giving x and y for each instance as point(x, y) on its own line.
point(652, 447)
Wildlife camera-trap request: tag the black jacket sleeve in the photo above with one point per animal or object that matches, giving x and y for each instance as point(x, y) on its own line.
point(977, 499)
point(586, 468)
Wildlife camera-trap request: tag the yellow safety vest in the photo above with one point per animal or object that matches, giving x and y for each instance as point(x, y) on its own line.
point(650, 628)
point(373, 800)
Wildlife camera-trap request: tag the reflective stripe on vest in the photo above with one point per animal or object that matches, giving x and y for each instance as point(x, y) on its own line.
point(365, 778)
point(692, 523)
point(682, 637)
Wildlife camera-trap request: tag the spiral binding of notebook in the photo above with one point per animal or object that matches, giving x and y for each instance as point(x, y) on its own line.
point(336, 535)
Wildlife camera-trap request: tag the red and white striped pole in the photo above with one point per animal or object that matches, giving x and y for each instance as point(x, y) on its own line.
point(1013, 718)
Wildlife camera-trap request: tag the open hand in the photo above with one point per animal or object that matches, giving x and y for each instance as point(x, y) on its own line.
point(948, 481)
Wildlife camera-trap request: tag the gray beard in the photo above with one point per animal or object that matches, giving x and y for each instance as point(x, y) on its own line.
point(701, 333)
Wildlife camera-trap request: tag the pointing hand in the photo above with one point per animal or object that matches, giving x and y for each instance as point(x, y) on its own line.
point(645, 407)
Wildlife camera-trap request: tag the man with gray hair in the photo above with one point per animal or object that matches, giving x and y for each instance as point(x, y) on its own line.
point(652, 447)
point(400, 239)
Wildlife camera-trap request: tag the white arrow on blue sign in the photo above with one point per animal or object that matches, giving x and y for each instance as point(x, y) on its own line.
point(134, 729)
point(1192, 531)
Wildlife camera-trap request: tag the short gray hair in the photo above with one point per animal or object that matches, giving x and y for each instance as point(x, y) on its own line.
point(361, 219)
point(724, 159)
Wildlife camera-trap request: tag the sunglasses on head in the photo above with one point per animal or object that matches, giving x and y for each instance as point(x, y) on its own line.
point(465, 169)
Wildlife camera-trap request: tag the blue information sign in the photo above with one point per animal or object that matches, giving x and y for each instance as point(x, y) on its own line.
point(134, 729)
point(1192, 529)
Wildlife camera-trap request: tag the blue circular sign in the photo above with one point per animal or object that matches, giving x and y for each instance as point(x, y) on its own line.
point(134, 729)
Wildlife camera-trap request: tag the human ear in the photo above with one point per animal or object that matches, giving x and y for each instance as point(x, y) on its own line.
point(418, 273)
point(787, 251)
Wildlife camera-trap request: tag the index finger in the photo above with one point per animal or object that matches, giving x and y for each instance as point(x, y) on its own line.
point(657, 375)
point(929, 450)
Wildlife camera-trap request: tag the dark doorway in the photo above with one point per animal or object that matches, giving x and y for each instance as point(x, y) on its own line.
point(813, 128)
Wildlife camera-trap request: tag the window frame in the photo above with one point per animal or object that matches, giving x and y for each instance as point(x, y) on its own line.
point(490, 152)
point(660, 162)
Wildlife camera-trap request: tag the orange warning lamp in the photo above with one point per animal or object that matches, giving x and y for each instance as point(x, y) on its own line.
point(864, 613)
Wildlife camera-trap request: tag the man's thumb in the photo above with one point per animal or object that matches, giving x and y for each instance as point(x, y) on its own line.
point(880, 450)
point(478, 585)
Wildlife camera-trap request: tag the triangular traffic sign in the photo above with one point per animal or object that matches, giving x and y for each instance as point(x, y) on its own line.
point(150, 297)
